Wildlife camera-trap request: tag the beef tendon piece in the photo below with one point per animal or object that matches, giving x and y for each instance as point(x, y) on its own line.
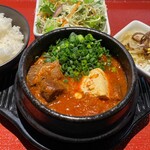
point(48, 79)
point(50, 90)
point(39, 71)
point(116, 93)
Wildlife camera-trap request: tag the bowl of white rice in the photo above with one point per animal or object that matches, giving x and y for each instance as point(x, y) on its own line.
point(14, 38)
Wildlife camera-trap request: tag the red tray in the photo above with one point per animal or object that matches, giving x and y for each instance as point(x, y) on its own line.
point(120, 13)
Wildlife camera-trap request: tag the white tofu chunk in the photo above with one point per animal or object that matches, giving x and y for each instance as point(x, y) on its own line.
point(96, 84)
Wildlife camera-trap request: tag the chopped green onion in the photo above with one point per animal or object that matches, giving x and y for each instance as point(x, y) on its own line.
point(78, 55)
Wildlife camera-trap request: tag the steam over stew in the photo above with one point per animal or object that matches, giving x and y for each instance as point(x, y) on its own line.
point(78, 77)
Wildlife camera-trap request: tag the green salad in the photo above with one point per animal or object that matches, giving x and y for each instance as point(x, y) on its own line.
point(54, 14)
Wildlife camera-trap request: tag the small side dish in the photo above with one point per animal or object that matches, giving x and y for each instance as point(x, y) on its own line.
point(53, 14)
point(11, 39)
point(136, 39)
point(77, 77)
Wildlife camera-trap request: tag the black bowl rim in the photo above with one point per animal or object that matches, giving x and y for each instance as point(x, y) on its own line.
point(28, 34)
point(57, 115)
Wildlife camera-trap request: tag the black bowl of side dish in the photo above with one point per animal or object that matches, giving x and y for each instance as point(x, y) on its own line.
point(72, 128)
point(8, 66)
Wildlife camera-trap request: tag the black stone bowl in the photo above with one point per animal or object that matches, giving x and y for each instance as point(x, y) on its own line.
point(69, 128)
point(9, 68)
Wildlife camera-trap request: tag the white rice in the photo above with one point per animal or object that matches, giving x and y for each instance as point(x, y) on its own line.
point(11, 39)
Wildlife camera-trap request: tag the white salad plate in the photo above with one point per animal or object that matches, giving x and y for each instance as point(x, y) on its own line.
point(136, 26)
point(37, 34)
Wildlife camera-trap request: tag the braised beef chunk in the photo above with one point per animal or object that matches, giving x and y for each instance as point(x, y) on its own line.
point(33, 74)
point(51, 89)
point(48, 78)
point(117, 92)
point(42, 70)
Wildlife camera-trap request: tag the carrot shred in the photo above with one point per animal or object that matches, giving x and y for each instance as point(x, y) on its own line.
point(71, 13)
